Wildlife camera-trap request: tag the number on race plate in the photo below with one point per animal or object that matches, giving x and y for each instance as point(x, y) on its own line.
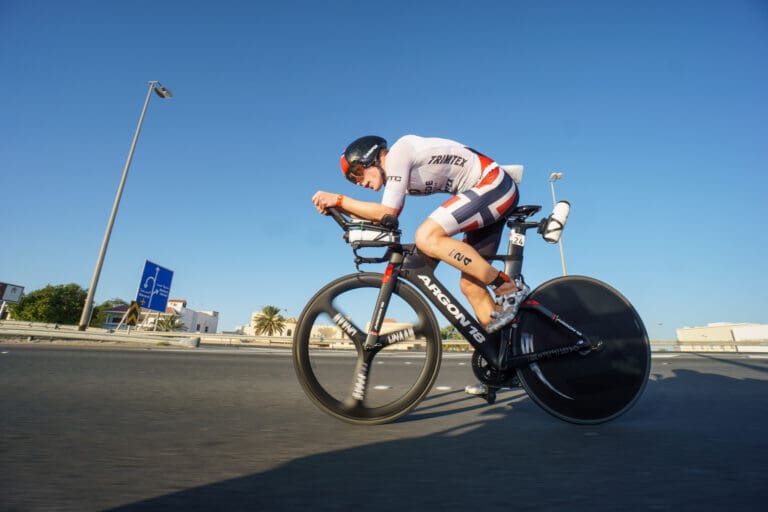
point(517, 239)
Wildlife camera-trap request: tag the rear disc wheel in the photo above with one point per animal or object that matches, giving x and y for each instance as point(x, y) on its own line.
point(594, 386)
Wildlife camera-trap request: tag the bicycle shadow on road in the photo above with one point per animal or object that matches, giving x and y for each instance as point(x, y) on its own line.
point(694, 441)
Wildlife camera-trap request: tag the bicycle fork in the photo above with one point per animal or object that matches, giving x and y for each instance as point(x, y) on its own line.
point(373, 343)
point(388, 281)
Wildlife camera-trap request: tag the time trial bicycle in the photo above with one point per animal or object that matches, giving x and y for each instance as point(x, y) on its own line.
point(577, 347)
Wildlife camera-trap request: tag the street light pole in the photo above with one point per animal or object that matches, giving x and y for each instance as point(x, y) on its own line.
point(85, 318)
point(552, 179)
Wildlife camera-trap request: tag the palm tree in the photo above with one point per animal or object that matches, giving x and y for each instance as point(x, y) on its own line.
point(269, 321)
point(170, 323)
point(449, 332)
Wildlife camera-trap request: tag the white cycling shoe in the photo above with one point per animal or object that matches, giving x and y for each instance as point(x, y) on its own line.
point(480, 389)
point(509, 303)
point(476, 389)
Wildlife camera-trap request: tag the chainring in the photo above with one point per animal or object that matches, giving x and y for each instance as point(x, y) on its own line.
point(488, 375)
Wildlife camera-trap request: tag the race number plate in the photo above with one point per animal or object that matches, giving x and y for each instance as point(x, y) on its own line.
point(517, 239)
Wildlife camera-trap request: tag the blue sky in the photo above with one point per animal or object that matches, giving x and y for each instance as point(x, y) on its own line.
point(654, 111)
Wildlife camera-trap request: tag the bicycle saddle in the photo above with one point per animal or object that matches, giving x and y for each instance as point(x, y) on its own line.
point(523, 212)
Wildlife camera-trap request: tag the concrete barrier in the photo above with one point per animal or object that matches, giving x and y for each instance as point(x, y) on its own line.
point(46, 332)
point(30, 331)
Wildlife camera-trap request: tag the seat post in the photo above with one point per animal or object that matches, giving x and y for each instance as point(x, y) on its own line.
point(513, 263)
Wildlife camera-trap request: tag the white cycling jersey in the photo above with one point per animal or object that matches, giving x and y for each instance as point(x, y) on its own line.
point(483, 192)
point(427, 165)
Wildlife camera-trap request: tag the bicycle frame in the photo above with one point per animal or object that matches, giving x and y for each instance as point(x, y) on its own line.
point(418, 270)
point(407, 263)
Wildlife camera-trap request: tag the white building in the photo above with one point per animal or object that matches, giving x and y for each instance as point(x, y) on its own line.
point(321, 331)
point(722, 331)
point(193, 320)
point(196, 321)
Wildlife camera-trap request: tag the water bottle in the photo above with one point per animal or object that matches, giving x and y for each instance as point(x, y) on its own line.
point(556, 222)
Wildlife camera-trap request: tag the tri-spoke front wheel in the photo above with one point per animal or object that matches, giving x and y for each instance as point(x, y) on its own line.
point(366, 385)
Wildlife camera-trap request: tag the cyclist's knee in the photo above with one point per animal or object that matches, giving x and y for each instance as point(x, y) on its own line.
point(427, 236)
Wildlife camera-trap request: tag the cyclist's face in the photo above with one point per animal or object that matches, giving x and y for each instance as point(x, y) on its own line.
point(355, 173)
point(368, 177)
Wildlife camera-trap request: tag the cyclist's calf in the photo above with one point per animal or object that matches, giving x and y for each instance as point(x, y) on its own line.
point(478, 296)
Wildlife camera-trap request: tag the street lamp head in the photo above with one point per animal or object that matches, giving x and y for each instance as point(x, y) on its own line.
point(555, 176)
point(162, 91)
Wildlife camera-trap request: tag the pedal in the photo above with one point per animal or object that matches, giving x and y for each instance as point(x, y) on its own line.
point(484, 391)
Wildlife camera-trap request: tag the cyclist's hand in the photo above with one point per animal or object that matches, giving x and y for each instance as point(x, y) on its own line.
point(323, 201)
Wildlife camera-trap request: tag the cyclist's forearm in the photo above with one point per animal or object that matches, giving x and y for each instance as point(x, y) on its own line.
point(365, 209)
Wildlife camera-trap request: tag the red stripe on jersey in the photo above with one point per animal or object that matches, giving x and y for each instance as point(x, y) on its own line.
point(484, 162)
point(489, 178)
point(507, 204)
point(450, 201)
point(471, 227)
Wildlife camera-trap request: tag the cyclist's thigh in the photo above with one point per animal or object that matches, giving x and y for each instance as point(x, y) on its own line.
point(486, 239)
point(479, 207)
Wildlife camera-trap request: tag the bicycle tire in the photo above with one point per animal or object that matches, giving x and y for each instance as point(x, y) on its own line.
point(396, 383)
point(588, 388)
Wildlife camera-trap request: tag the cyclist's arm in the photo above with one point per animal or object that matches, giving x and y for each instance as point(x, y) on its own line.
point(367, 210)
point(361, 209)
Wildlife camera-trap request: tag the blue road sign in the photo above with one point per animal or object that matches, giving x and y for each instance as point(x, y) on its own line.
point(154, 288)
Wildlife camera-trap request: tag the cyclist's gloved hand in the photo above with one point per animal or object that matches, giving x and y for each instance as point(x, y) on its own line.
point(389, 221)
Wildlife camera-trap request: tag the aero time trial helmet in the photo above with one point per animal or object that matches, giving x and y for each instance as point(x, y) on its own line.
point(361, 153)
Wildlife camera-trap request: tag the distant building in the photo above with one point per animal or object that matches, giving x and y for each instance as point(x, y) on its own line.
point(193, 320)
point(113, 316)
point(722, 331)
point(289, 326)
point(196, 321)
point(329, 331)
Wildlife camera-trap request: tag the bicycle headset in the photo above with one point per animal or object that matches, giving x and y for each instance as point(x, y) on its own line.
point(361, 153)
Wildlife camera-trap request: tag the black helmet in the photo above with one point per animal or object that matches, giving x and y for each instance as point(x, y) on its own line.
point(361, 153)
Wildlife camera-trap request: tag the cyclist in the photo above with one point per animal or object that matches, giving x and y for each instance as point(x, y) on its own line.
point(482, 193)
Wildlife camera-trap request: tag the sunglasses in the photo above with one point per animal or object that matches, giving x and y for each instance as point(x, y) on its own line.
point(355, 172)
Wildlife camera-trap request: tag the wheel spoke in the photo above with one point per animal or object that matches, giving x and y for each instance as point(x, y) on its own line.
point(361, 378)
point(345, 323)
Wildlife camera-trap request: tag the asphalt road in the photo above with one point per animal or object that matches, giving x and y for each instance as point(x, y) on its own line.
point(164, 429)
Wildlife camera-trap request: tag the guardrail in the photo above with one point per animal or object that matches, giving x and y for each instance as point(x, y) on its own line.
point(32, 331)
point(29, 331)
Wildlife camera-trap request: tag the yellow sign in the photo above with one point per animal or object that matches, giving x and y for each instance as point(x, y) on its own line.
point(132, 318)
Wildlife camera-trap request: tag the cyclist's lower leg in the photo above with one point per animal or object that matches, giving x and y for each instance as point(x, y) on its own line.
point(434, 241)
point(479, 298)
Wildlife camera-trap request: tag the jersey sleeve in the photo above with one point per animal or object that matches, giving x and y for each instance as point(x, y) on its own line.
point(399, 164)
